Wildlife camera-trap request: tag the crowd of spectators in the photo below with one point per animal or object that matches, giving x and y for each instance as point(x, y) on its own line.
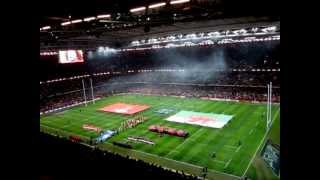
point(250, 86)
point(55, 102)
point(241, 94)
point(193, 67)
point(218, 78)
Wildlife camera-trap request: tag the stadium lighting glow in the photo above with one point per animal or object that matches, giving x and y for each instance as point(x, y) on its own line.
point(100, 49)
point(46, 28)
point(240, 32)
point(89, 19)
point(103, 16)
point(135, 42)
point(65, 23)
point(254, 30)
point(171, 38)
point(191, 36)
point(138, 9)
point(214, 34)
point(269, 29)
point(157, 5)
point(76, 21)
point(179, 1)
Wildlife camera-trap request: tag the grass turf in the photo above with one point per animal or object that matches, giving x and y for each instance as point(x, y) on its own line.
point(259, 169)
point(247, 125)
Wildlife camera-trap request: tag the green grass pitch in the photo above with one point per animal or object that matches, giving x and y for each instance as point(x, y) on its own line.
point(247, 125)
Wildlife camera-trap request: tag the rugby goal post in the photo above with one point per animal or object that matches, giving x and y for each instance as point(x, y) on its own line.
point(269, 105)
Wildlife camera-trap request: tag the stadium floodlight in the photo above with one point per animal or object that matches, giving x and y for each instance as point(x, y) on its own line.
point(46, 28)
point(103, 16)
point(138, 9)
point(65, 23)
point(100, 49)
point(201, 34)
point(254, 30)
point(191, 36)
point(135, 42)
point(240, 32)
point(157, 5)
point(171, 38)
point(269, 29)
point(208, 42)
point(153, 40)
point(216, 33)
point(179, 1)
point(89, 19)
point(76, 21)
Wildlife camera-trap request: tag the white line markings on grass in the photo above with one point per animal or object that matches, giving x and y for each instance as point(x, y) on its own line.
point(238, 149)
point(229, 146)
point(222, 162)
point(218, 172)
point(228, 163)
point(175, 149)
point(251, 131)
point(254, 155)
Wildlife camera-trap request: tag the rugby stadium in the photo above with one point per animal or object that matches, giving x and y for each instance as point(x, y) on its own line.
point(181, 85)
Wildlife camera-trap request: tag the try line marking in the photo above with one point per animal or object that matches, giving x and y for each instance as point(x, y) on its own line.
point(222, 162)
point(251, 131)
point(175, 149)
point(228, 163)
point(218, 172)
point(254, 155)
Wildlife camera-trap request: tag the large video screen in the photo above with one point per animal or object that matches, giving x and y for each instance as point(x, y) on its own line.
point(70, 56)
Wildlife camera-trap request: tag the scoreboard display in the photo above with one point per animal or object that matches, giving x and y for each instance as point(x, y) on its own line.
point(71, 56)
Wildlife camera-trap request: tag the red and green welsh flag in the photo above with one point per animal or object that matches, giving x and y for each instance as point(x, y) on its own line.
point(202, 119)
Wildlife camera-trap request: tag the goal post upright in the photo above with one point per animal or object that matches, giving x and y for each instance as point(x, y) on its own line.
point(270, 104)
point(84, 93)
point(267, 107)
point(92, 91)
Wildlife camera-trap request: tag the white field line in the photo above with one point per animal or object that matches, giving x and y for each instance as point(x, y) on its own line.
point(218, 172)
point(254, 155)
point(228, 163)
point(251, 131)
point(238, 149)
point(206, 98)
point(175, 149)
point(92, 116)
point(62, 131)
point(84, 119)
point(68, 106)
point(232, 147)
point(222, 162)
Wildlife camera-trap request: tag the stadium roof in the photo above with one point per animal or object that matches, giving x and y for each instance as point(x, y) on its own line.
point(119, 25)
